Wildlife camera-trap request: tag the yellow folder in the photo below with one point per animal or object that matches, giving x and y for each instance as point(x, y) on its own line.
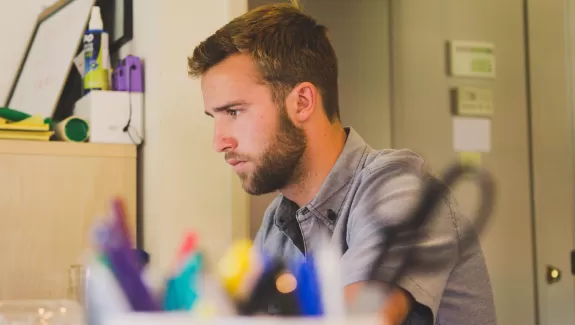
point(33, 123)
point(26, 135)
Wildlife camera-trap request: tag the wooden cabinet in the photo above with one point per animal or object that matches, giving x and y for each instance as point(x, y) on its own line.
point(50, 195)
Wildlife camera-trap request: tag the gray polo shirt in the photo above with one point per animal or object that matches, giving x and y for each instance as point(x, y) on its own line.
point(365, 189)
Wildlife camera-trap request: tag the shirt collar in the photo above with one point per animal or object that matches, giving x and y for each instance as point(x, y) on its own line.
point(327, 204)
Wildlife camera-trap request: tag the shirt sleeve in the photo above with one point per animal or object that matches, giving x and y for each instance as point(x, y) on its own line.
point(386, 197)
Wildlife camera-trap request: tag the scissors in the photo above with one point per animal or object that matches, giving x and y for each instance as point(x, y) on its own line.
point(434, 192)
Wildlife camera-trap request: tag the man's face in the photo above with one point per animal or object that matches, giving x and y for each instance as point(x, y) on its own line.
point(258, 138)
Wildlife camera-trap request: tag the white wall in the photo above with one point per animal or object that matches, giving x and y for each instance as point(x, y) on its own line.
point(186, 185)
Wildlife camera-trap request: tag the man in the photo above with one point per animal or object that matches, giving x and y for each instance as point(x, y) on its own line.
point(269, 81)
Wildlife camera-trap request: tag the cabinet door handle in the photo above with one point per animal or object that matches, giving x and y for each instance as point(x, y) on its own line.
point(553, 274)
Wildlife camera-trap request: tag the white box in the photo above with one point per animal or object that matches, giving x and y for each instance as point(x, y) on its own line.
point(109, 112)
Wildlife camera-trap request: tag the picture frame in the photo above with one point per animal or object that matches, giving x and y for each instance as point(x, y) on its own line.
point(118, 19)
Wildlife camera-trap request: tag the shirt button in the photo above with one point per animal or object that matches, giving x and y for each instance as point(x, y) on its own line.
point(331, 215)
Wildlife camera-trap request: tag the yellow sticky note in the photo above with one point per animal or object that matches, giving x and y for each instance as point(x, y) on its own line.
point(470, 158)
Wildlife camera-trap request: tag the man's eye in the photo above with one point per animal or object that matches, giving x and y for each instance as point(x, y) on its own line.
point(233, 112)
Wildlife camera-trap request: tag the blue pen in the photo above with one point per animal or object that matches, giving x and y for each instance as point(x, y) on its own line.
point(308, 290)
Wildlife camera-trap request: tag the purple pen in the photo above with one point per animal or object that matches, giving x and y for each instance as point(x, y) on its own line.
point(120, 217)
point(126, 269)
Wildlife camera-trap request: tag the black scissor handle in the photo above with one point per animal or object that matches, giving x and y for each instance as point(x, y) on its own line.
point(434, 192)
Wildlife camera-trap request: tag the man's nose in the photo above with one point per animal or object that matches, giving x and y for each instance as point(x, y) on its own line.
point(223, 141)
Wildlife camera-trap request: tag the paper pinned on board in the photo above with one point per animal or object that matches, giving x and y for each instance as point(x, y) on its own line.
point(471, 134)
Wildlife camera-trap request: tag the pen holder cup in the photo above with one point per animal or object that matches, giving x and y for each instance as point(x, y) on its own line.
point(187, 319)
point(41, 312)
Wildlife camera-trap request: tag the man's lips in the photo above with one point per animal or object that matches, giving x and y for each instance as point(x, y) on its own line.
point(235, 162)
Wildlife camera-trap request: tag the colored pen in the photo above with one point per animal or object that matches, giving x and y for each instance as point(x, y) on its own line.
point(239, 269)
point(127, 270)
point(308, 291)
point(121, 220)
point(182, 289)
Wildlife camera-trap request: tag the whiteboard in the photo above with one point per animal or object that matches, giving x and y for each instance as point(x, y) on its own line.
point(42, 77)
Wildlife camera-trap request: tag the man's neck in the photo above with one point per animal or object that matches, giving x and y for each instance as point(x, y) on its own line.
point(321, 155)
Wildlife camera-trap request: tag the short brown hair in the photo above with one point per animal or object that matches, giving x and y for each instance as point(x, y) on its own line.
point(288, 47)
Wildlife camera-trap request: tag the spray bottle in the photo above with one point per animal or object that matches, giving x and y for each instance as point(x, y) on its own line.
point(96, 54)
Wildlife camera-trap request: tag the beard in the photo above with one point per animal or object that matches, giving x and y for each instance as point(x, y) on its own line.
point(281, 162)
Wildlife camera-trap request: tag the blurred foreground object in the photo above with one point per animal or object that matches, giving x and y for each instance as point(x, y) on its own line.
point(433, 193)
point(41, 312)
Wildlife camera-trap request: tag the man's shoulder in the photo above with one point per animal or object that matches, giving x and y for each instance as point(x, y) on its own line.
point(390, 161)
point(390, 169)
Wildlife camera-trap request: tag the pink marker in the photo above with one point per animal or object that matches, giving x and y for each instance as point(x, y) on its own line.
point(188, 246)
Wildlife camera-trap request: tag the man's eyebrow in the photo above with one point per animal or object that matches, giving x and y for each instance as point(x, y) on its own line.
point(225, 107)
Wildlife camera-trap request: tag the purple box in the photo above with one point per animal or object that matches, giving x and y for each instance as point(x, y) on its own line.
point(128, 75)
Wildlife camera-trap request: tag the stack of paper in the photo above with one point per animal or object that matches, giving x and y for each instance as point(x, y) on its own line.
point(32, 128)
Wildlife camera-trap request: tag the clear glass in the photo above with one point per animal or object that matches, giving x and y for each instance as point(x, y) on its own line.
point(41, 312)
point(76, 282)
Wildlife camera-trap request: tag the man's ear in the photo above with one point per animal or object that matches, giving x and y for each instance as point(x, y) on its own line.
point(301, 102)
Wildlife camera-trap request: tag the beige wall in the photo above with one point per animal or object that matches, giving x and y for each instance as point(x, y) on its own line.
point(186, 185)
point(422, 122)
point(552, 65)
